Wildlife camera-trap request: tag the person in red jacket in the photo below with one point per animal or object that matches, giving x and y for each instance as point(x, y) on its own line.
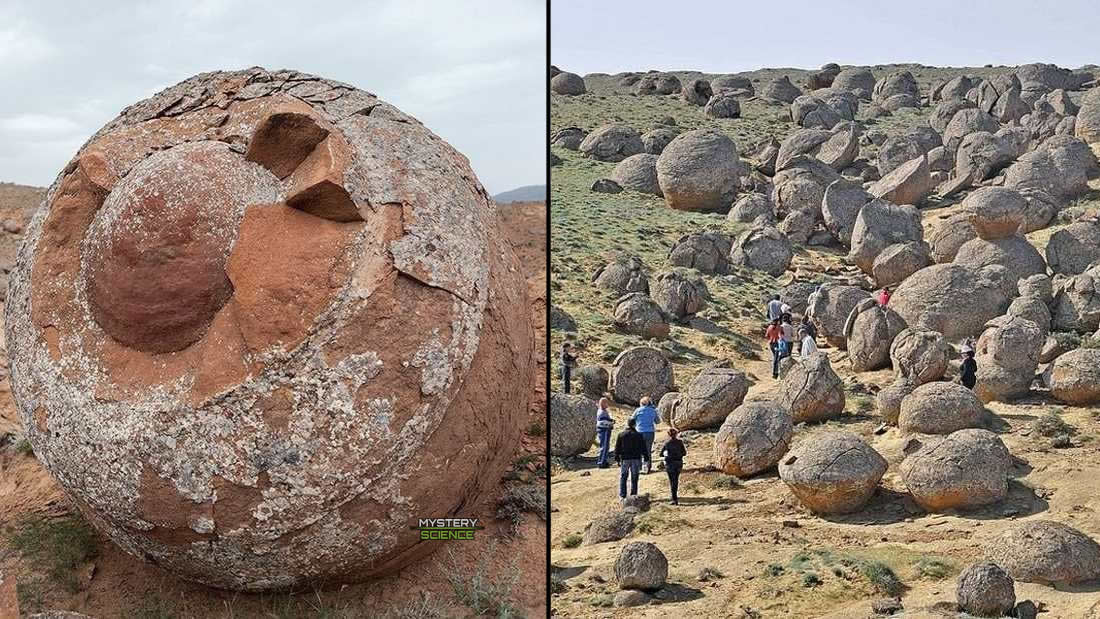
point(774, 334)
point(883, 297)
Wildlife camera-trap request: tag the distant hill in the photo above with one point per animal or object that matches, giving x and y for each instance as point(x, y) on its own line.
point(528, 193)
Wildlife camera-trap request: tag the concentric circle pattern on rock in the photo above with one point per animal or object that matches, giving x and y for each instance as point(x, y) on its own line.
point(263, 322)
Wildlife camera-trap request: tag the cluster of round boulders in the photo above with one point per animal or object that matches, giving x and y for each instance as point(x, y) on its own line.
point(700, 171)
point(832, 472)
point(623, 274)
point(637, 313)
point(1075, 377)
point(919, 355)
point(829, 308)
point(723, 105)
point(706, 252)
point(934, 298)
point(870, 330)
point(572, 424)
point(811, 390)
point(879, 225)
point(709, 398)
point(613, 142)
point(940, 407)
point(679, 292)
point(1072, 249)
point(642, 566)
point(1007, 355)
point(640, 372)
point(657, 84)
point(697, 92)
point(608, 527)
point(593, 380)
point(566, 83)
point(753, 208)
point(240, 314)
point(1046, 552)
point(985, 590)
point(964, 470)
point(763, 248)
point(638, 173)
point(1076, 304)
point(753, 438)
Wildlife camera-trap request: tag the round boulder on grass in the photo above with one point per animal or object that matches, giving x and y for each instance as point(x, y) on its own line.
point(641, 565)
point(613, 143)
point(572, 424)
point(832, 472)
point(985, 590)
point(679, 292)
point(940, 407)
point(636, 313)
point(593, 380)
point(609, 527)
point(762, 248)
point(753, 438)
point(706, 252)
point(566, 83)
point(638, 173)
point(723, 105)
point(623, 274)
point(639, 372)
point(700, 171)
point(964, 470)
point(1046, 552)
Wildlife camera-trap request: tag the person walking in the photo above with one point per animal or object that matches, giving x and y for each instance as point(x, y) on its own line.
point(773, 335)
point(809, 326)
point(774, 308)
point(604, 425)
point(809, 346)
point(673, 453)
point(969, 372)
point(629, 451)
point(568, 360)
point(786, 342)
point(646, 419)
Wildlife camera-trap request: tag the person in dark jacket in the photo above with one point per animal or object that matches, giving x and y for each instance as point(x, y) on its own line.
point(568, 360)
point(674, 452)
point(969, 373)
point(629, 453)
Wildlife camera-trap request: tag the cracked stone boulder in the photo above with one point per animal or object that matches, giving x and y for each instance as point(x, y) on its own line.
point(706, 252)
point(832, 472)
point(700, 171)
point(983, 155)
point(723, 105)
point(665, 404)
point(613, 142)
point(657, 84)
point(1073, 248)
point(899, 261)
point(964, 122)
point(697, 92)
point(593, 380)
point(1075, 376)
point(829, 308)
point(641, 565)
point(919, 355)
point(709, 398)
point(897, 83)
point(798, 226)
point(1031, 308)
point(1059, 168)
point(811, 390)
point(1008, 355)
point(572, 424)
point(964, 470)
point(680, 292)
point(763, 248)
point(566, 83)
point(1046, 552)
point(560, 320)
point(813, 112)
point(879, 225)
point(836, 149)
point(260, 326)
point(733, 83)
point(638, 173)
point(909, 183)
point(940, 407)
point(638, 372)
point(947, 235)
point(753, 438)
point(823, 78)
point(1076, 304)
point(636, 313)
point(569, 138)
point(753, 208)
point(956, 87)
point(871, 329)
point(932, 297)
point(860, 82)
point(985, 590)
point(624, 273)
point(800, 185)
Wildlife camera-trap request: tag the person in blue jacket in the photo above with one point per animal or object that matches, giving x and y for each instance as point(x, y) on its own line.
point(646, 418)
point(604, 425)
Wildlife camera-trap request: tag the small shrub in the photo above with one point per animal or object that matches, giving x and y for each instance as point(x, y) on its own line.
point(604, 600)
point(1050, 425)
point(709, 573)
point(519, 499)
point(557, 584)
point(23, 447)
point(571, 541)
point(934, 568)
point(774, 570)
point(481, 592)
point(863, 404)
point(810, 579)
point(536, 429)
point(424, 608)
point(55, 548)
point(645, 526)
point(1067, 339)
point(882, 577)
point(1090, 341)
point(726, 482)
point(31, 594)
point(801, 562)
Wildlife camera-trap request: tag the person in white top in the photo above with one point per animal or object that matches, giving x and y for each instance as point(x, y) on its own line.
point(809, 346)
point(775, 308)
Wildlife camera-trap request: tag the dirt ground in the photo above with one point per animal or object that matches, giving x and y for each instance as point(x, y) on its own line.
point(111, 584)
point(768, 556)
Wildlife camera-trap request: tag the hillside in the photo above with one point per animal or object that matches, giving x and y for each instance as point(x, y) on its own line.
point(748, 548)
point(527, 193)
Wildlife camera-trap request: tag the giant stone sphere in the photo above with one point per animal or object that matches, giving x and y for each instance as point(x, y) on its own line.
point(263, 323)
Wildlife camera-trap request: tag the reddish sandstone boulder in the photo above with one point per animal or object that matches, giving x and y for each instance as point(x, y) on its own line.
point(263, 323)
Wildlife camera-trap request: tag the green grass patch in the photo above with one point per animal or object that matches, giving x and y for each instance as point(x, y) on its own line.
point(23, 447)
point(1051, 424)
point(934, 568)
point(54, 548)
point(484, 594)
point(572, 540)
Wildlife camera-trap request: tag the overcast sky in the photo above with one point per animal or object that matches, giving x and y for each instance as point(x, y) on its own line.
point(472, 72)
point(731, 36)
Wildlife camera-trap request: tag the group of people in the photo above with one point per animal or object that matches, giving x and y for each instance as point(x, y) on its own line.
point(634, 446)
point(782, 336)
